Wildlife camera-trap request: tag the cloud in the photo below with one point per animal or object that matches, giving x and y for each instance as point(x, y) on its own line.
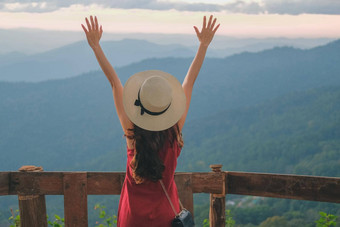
point(303, 7)
point(292, 7)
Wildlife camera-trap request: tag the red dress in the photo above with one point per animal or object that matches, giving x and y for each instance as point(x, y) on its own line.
point(146, 204)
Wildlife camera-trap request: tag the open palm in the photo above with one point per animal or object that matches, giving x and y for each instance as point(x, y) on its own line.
point(208, 31)
point(93, 31)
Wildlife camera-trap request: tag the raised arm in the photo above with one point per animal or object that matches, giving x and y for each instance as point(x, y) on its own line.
point(93, 34)
point(204, 36)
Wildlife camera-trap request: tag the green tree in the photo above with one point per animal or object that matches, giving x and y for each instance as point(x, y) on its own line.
point(274, 221)
point(326, 220)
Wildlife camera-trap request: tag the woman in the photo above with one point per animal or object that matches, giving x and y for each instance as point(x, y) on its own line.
point(152, 108)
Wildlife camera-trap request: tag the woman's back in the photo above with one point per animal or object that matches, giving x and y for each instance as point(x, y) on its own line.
point(146, 204)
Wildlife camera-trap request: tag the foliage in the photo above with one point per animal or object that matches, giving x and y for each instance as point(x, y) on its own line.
point(229, 221)
point(254, 215)
point(326, 220)
point(274, 221)
point(57, 222)
point(275, 111)
point(206, 223)
point(14, 219)
point(106, 220)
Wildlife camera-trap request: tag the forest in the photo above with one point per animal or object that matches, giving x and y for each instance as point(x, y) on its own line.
point(276, 111)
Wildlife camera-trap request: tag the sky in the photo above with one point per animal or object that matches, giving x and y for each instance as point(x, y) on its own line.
point(238, 18)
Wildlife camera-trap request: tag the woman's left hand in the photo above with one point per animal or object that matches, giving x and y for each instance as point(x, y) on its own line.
point(93, 32)
point(208, 31)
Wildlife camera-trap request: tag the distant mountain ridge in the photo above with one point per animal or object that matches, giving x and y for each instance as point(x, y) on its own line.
point(73, 120)
point(250, 78)
point(77, 58)
point(294, 134)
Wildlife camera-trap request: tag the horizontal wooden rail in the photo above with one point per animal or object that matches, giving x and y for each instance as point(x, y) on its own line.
point(98, 183)
point(75, 186)
point(314, 188)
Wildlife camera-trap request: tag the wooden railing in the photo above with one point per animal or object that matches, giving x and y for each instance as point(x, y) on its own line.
point(31, 188)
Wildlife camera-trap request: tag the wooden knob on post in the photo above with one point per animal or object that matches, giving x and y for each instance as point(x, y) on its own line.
point(216, 168)
point(32, 207)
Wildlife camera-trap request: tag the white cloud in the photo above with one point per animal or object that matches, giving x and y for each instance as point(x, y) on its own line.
point(292, 7)
point(176, 22)
point(28, 7)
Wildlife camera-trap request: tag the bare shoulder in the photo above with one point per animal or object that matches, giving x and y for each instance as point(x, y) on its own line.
point(129, 143)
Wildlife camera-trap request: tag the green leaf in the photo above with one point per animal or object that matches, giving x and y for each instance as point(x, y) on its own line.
point(102, 214)
point(57, 217)
point(323, 214)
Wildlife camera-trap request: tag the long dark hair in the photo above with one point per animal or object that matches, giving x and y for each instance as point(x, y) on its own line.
point(146, 163)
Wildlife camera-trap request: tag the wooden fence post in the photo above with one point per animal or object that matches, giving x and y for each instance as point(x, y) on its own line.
point(184, 187)
point(75, 199)
point(217, 202)
point(32, 207)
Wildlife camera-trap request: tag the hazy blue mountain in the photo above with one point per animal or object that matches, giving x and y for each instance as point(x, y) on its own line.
point(273, 111)
point(77, 58)
point(250, 78)
point(38, 41)
point(73, 120)
point(296, 133)
point(11, 58)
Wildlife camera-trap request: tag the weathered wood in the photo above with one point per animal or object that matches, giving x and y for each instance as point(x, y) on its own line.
point(32, 207)
point(75, 199)
point(184, 187)
point(217, 202)
point(259, 184)
point(207, 183)
point(101, 183)
point(4, 183)
point(217, 211)
point(32, 210)
point(326, 189)
point(104, 183)
point(51, 183)
point(37, 183)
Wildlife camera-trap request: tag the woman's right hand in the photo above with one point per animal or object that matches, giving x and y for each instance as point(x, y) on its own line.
point(208, 31)
point(93, 32)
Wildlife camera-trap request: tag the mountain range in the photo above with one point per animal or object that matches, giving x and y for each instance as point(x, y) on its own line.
point(78, 58)
point(73, 120)
point(273, 111)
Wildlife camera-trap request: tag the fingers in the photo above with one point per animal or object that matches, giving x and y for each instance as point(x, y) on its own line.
point(88, 24)
point(209, 23)
point(96, 22)
point(213, 24)
point(197, 31)
point(204, 21)
point(84, 28)
point(92, 23)
point(216, 28)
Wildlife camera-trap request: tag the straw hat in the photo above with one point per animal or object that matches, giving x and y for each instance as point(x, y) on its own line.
point(154, 100)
